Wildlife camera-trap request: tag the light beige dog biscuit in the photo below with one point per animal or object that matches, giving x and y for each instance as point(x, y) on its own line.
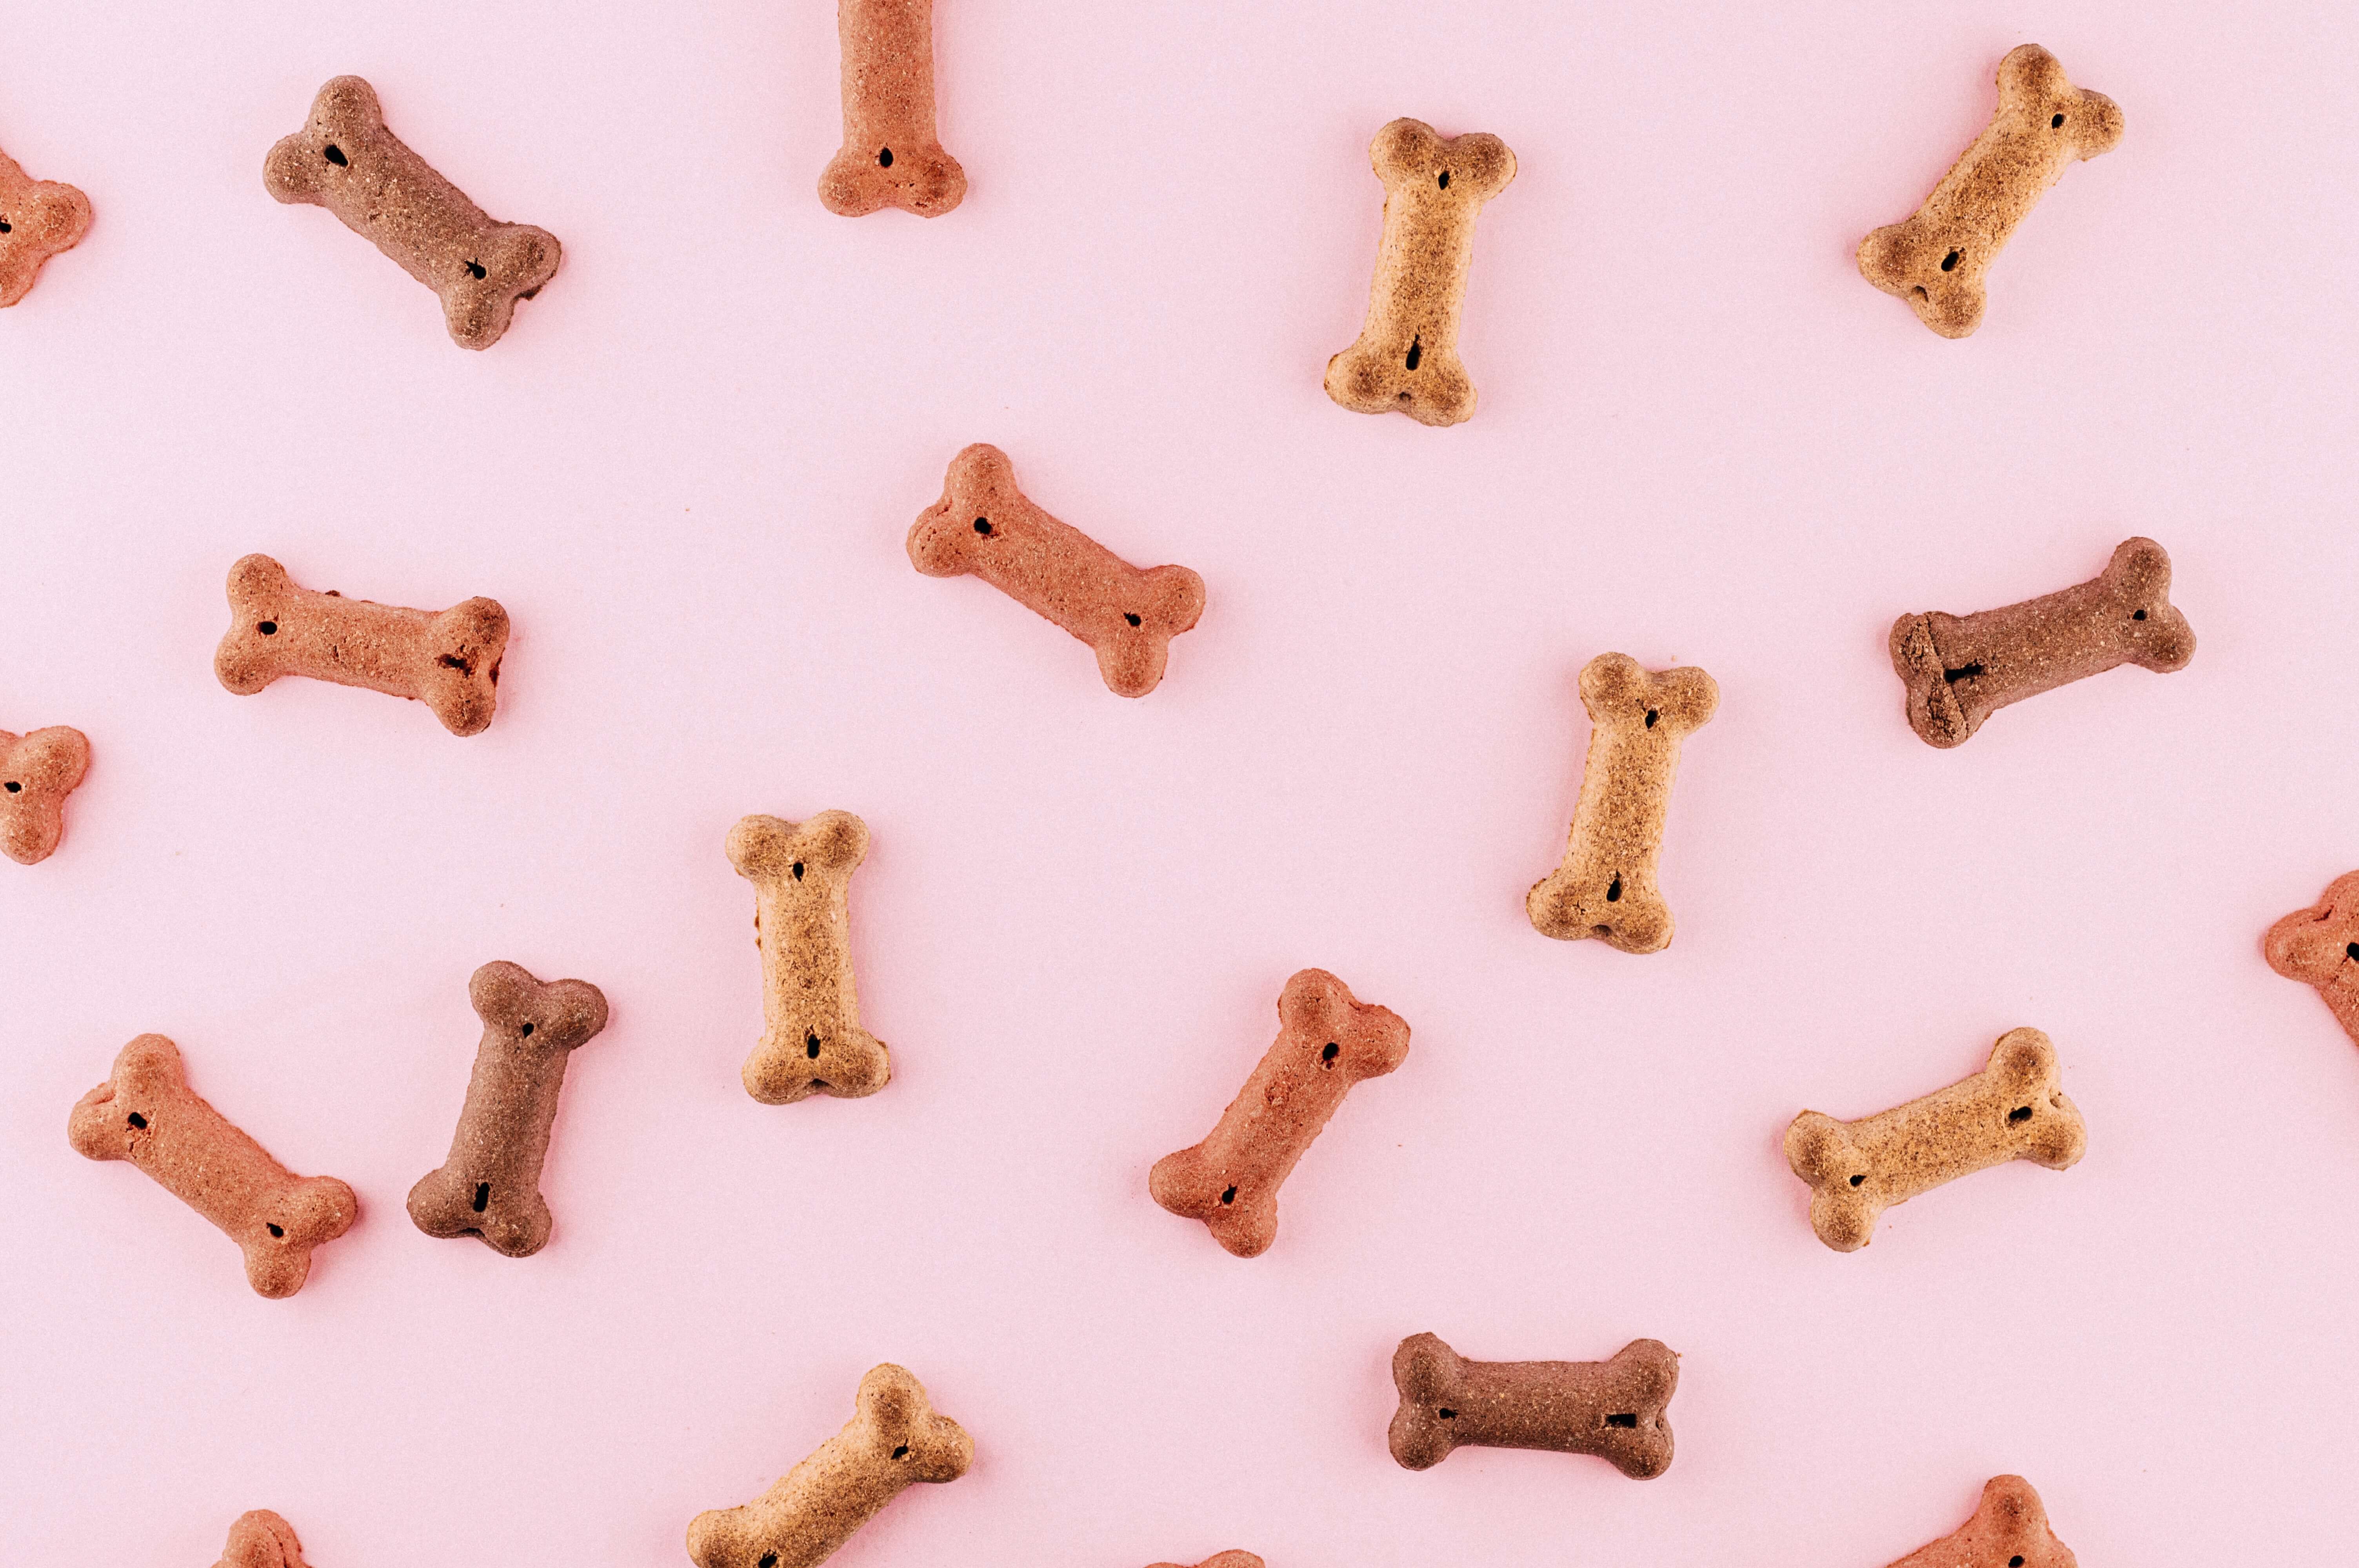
point(1405, 360)
point(2319, 946)
point(1224, 1559)
point(2009, 1529)
point(1611, 1408)
point(262, 1539)
point(893, 1439)
point(38, 217)
point(1605, 886)
point(811, 1040)
point(891, 155)
point(37, 770)
point(1937, 259)
point(2012, 1110)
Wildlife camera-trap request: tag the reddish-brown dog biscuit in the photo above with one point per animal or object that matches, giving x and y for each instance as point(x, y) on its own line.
point(1611, 1408)
point(346, 160)
point(1936, 260)
point(1960, 669)
point(262, 1539)
point(2009, 1529)
point(2319, 946)
point(1224, 1559)
point(448, 660)
point(38, 217)
point(984, 524)
point(811, 1039)
point(147, 1114)
point(37, 770)
point(490, 1186)
point(892, 156)
point(1327, 1041)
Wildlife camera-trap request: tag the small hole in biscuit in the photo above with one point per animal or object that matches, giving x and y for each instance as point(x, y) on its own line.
point(268, 628)
point(453, 662)
point(1921, 294)
point(1447, 1414)
point(2137, 614)
point(6, 227)
point(2020, 1114)
point(2351, 952)
point(1652, 714)
point(526, 1031)
point(1230, 1195)
point(798, 869)
point(770, 1559)
point(1328, 1052)
point(2055, 123)
point(277, 1230)
point(902, 1452)
point(334, 155)
point(1623, 1418)
point(1416, 350)
point(1601, 931)
point(2017, 1561)
point(475, 270)
point(482, 1196)
point(885, 160)
point(138, 1119)
point(982, 526)
point(1949, 261)
point(1858, 1181)
point(1613, 890)
point(1445, 181)
point(1404, 397)
point(810, 1046)
point(1964, 672)
point(1126, 615)
point(819, 1083)
point(15, 788)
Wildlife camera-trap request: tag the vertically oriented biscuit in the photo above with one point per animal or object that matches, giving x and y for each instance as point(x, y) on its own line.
point(983, 524)
point(346, 160)
point(490, 1186)
point(1611, 1408)
point(1327, 1041)
point(262, 1539)
point(2014, 1108)
point(38, 217)
point(892, 156)
point(37, 770)
point(2009, 1529)
point(811, 1039)
point(1605, 887)
point(893, 1439)
point(2319, 946)
point(448, 660)
point(1936, 259)
point(1405, 360)
point(146, 1113)
point(1960, 669)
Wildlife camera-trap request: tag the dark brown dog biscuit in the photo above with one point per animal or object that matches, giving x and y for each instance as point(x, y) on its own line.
point(1224, 1559)
point(147, 1114)
point(892, 156)
point(811, 1039)
point(2009, 1529)
point(37, 770)
point(1327, 1041)
point(262, 1539)
point(448, 660)
point(1611, 1408)
point(2319, 946)
point(1959, 669)
point(984, 524)
point(346, 160)
point(1937, 259)
point(490, 1186)
point(38, 217)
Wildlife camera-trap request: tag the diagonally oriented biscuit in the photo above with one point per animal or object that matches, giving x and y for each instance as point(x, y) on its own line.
point(448, 660)
point(38, 217)
point(1937, 259)
point(1959, 669)
point(893, 1439)
point(811, 1039)
point(1405, 360)
point(2009, 1529)
point(37, 770)
point(147, 1114)
point(1605, 886)
point(2012, 1110)
point(1224, 1559)
point(1326, 1042)
point(1611, 1408)
point(346, 160)
point(490, 1186)
point(892, 156)
point(2319, 946)
point(983, 524)
point(262, 1539)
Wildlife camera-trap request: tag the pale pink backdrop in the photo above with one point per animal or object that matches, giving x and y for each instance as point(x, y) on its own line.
point(686, 472)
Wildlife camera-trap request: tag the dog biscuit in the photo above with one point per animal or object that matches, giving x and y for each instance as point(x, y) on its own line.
point(2319, 946)
point(811, 1039)
point(893, 1439)
point(1611, 1408)
point(1326, 1042)
point(985, 525)
point(2009, 1529)
point(346, 160)
point(262, 1539)
point(1936, 260)
point(1959, 669)
point(1405, 360)
point(1605, 886)
point(146, 1113)
point(38, 217)
point(490, 1186)
point(1224, 1559)
point(2012, 1110)
point(891, 155)
point(37, 770)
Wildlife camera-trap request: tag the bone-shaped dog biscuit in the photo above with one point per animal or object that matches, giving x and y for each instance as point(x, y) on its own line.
point(37, 770)
point(2009, 1529)
point(490, 1186)
point(1936, 260)
point(1405, 360)
point(2012, 1110)
point(262, 1539)
point(146, 1113)
point(38, 217)
point(1224, 1559)
point(985, 525)
point(346, 160)
point(891, 155)
point(893, 1439)
point(1327, 1041)
point(1611, 1408)
point(448, 660)
point(811, 1039)
point(2319, 946)
point(1959, 669)
point(1605, 887)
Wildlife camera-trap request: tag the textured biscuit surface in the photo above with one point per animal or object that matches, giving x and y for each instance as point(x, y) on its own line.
point(1611, 1408)
point(146, 1113)
point(893, 1439)
point(892, 156)
point(1327, 1041)
point(2009, 1529)
point(1224, 1559)
point(1405, 360)
point(1937, 258)
point(985, 525)
point(38, 217)
point(2319, 946)
point(37, 770)
point(811, 1039)
point(262, 1539)
point(346, 160)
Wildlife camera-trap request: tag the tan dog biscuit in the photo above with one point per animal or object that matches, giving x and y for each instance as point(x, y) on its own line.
point(1605, 886)
point(448, 660)
point(1224, 1559)
point(1937, 259)
point(1327, 1041)
point(490, 1186)
point(262, 1539)
point(38, 217)
point(1959, 669)
point(1405, 360)
point(891, 155)
point(147, 1114)
point(2009, 1529)
point(2012, 1110)
point(346, 160)
point(1611, 1408)
point(37, 770)
point(893, 1439)
point(811, 1038)
point(985, 525)
point(2319, 946)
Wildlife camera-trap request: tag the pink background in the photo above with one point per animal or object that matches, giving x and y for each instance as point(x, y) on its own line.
point(688, 471)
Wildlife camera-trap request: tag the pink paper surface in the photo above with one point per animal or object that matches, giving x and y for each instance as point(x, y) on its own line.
point(686, 472)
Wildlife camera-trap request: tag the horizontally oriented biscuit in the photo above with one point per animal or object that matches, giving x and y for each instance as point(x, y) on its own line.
point(262, 1539)
point(1611, 1408)
point(2319, 946)
point(892, 156)
point(1224, 1559)
point(38, 217)
point(37, 770)
point(2009, 1529)
point(811, 1039)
